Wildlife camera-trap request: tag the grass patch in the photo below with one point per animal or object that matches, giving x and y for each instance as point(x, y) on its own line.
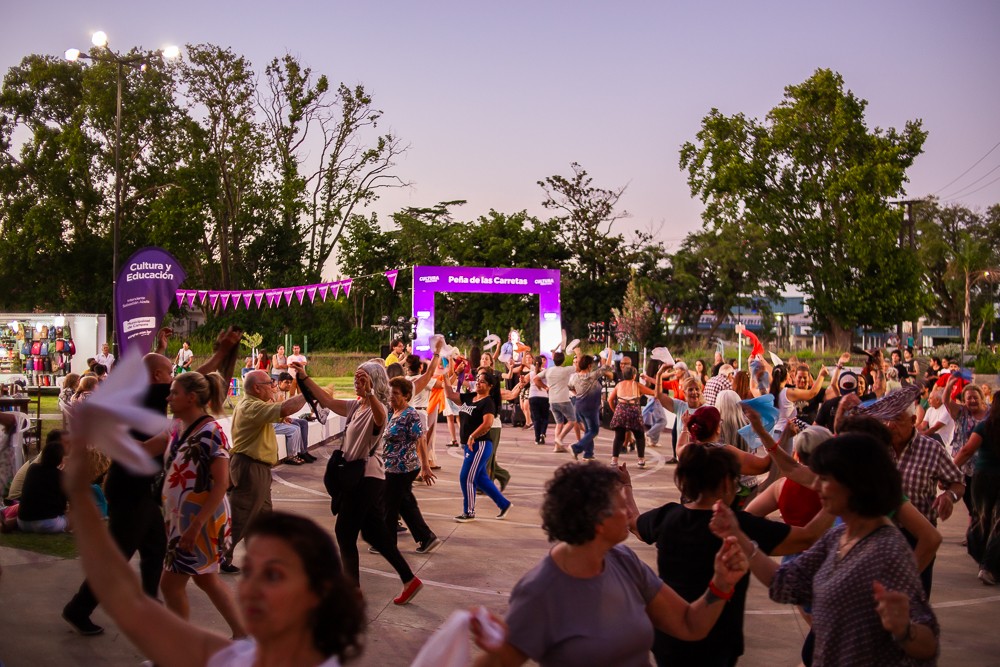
point(57, 544)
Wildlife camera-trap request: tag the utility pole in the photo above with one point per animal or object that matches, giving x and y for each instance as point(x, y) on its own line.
point(907, 232)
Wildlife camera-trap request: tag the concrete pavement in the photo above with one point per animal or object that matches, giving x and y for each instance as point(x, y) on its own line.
point(478, 563)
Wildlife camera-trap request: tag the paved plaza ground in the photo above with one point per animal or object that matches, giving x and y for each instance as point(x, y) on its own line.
point(478, 563)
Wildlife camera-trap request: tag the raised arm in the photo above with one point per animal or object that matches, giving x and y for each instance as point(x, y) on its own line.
point(339, 406)
point(421, 382)
point(157, 632)
point(969, 449)
point(954, 407)
point(809, 394)
point(223, 359)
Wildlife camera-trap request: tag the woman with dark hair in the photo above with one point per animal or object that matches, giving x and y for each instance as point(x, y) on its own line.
point(279, 363)
point(702, 427)
point(868, 605)
point(294, 597)
point(700, 372)
point(478, 413)
point(405, 458)
point(627, 417)
point(361, 510)
point(538, 400)
point(684, 544)
point(984, 527)
point(43, 505)
point(591, 601)
point(588, 387)
point(195, 455)
point(786, 397)
point(263, 362)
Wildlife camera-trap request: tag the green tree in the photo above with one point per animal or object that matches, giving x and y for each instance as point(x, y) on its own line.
point(599, 267)
point(817, 182)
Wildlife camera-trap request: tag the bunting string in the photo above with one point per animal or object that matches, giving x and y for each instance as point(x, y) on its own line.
point(278, 296)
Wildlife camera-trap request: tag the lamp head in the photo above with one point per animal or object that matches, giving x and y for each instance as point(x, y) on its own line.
point(99, 39)
point(72, 55)
point(170, 52)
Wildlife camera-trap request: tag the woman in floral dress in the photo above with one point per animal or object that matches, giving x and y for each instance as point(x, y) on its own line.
point(195, 509)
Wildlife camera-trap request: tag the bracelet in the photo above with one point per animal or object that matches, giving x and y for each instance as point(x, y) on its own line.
point(715, 591)
point(753, 553)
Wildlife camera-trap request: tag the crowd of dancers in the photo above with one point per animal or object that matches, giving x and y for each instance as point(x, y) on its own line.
point(860, 462)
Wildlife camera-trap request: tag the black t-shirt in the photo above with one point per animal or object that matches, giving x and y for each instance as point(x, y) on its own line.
point(42, 496)
point(123, 486)
point(685, 560)
point(807, 410)
point(473, 413)
point(715, 368)
point(903, 371)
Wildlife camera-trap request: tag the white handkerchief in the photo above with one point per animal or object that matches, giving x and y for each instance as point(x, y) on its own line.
point(104, 419)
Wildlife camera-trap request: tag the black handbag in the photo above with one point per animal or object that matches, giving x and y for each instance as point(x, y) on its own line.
point(342, 477)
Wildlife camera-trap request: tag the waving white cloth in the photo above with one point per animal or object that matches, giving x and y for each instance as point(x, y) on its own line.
point(104, 419)
point(662, 355)
point(491, 341)
point(450, 645)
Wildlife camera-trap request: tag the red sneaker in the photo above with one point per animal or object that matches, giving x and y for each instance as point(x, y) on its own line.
point(409, 592)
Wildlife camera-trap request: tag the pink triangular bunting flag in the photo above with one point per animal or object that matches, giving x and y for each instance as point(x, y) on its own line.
point(180, 297)
point(391, 277)
point(225, 299)
point(311, 291)
point(246, 299)
point(213, 298)
point(191, 297)
point(347, 287)
point(288, 296)
point(300, 293)
point(271, 296)
point(336, 290)
point(203, 296)
point(258, 297)
point(324, 289)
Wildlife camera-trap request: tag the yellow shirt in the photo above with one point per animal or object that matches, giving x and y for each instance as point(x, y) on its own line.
point(392, 359)
point(253, 433)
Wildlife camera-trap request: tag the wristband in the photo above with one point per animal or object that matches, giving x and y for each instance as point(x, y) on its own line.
point(715, 591)
point(753, 553)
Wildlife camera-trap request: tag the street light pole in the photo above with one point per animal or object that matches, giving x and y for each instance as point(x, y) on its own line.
point(100, 40)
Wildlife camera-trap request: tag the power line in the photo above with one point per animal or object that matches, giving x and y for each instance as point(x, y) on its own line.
point(979, 188)
point(970, 168)
point(959, 193)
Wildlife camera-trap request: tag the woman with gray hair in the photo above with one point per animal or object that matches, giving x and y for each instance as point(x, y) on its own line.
point(361, 510)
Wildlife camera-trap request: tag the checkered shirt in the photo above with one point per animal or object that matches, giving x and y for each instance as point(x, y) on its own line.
point(923, 464)
point(714, 386)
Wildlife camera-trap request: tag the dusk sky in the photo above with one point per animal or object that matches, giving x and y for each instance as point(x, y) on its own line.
point(493, 97)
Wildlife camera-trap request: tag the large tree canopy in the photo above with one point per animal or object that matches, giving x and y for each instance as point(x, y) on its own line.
point(817, 183)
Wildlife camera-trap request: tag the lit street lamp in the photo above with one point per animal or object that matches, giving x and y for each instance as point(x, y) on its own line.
point(105, 55)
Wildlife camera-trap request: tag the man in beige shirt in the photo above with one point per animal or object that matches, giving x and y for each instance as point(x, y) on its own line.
point(254, 451)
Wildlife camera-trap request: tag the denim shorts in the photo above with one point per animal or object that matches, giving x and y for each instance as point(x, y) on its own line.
point(564, 412)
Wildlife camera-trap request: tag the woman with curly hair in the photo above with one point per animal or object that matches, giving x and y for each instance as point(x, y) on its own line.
point(361, 510)
point(195, 508)
point(591, 601)
point(297, 604)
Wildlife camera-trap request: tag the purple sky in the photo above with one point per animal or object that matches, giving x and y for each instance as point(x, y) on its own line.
point(493, 97)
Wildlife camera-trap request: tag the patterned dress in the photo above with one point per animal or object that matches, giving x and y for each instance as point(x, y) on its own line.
point(185, 490)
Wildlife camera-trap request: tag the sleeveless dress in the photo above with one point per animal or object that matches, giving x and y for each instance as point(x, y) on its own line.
point(628, 414)
point(186, 488)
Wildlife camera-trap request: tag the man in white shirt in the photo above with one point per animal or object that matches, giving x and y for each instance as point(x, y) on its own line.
point(296, 357)
point(556, 379)
point(937, 421)
point(105, 357)
point(183, 359)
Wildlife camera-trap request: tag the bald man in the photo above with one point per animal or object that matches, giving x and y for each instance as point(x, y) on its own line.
point(253, 453)
point(135, 519)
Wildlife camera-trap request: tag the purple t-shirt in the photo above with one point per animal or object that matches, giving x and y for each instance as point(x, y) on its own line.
point(557, 619)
